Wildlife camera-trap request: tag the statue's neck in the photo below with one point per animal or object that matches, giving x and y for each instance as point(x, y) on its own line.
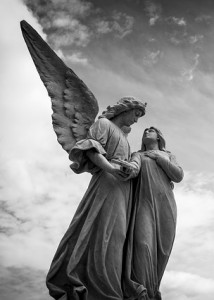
point(152, 146)
point(118, 121)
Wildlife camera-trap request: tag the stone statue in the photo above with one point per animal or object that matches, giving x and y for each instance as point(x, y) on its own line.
point(153, 221)
point(89, 262)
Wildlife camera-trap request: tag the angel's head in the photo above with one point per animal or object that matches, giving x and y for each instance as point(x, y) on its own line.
point(125, 112)
point(123, 105)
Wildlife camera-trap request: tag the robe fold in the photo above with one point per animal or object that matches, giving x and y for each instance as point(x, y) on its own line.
point(88, 263)
point(152, 226)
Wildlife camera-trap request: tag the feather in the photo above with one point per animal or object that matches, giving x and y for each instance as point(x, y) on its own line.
point(74, 106)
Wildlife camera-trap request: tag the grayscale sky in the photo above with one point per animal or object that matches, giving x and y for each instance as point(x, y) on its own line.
point(158, 51)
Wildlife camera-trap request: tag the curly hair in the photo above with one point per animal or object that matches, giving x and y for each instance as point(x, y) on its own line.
point(124, 104)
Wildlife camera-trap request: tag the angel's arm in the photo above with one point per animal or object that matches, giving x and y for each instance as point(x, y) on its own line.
point(100, 161)
point(89, 155)
point(132, 168)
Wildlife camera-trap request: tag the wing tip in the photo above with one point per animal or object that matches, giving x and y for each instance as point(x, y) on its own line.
point(26, 28)
point(24, 24)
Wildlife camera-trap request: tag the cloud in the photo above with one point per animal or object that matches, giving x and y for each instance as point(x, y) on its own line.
point(189, 274)
point(75, 58)
point(103, 27)
point(23, 283)
point(39, 193)
point(193, 42)
point(76, 34)
point(175, 41)
point(47, 10)
point(189, 73)
point(120, 24)
point(195, 195)
point(186, 286)
point(153, 10)
point(179, 21)
point(61, 21)
point(36, 211)
point(204, 19)
point(75, 23)
point(177, 32)
point(176, 21)
point(152, 58)
point(195, 38)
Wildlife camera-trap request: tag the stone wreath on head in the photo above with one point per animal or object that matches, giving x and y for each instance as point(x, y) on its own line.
point(124, 104)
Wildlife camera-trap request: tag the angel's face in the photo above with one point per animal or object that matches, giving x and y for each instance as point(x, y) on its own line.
point(130, 117)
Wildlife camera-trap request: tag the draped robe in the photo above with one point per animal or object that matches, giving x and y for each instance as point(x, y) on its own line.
point(153, 224)
point(88, 262)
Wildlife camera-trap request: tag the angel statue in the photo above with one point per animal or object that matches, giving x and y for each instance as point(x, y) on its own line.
point(89, 261)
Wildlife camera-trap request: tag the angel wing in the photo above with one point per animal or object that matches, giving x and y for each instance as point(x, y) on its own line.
point(74, 106)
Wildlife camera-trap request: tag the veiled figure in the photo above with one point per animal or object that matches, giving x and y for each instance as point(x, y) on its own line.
point(153, 221)
point(89, 261)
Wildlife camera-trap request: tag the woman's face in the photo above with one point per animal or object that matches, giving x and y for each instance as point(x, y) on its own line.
point(150, 134)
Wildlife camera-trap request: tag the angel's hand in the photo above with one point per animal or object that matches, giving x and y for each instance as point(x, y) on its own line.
point(127, 174)
point(120, 175)
point(126, 167)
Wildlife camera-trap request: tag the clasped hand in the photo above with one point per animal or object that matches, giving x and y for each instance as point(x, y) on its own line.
point(155, 154)
point(125, 172)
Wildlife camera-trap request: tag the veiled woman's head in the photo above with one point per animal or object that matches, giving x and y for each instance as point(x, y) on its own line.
point(153, 135)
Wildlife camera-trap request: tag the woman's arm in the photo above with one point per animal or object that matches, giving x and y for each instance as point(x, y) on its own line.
point(171, 168)
point(168, 163)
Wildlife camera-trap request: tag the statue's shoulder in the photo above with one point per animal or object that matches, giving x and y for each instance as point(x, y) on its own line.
point(138, 153)
point(101, 126)
point(103, 122)
point(169, 153)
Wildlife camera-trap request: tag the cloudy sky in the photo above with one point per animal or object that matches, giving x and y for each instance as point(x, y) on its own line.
point(159, 51)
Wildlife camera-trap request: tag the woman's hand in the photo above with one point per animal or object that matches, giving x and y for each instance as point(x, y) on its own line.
point(155, 154)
